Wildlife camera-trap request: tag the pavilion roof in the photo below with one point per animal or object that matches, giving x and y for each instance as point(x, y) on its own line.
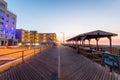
point(92, 35)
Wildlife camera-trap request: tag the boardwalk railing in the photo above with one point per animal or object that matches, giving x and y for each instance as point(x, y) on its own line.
point(115, 49)
point(12, 59)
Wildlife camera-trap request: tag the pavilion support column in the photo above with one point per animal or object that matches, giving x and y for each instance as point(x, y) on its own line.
point(97, 40)
point(77, 46)
point(80, 42)
point(83, 43)
point(67, 42)
point(110, 39)
point(74, 45)
point(76, 41)
point(70, 43)
point(89, 42)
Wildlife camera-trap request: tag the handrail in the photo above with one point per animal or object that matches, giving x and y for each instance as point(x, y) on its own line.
point(13, 52)
point(22, 53)
point(17, 52)
point(20, 58)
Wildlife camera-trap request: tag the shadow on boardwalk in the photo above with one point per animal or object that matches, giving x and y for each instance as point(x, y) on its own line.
point(49, 66)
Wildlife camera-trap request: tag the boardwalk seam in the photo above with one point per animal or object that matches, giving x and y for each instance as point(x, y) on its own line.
point(59, 63)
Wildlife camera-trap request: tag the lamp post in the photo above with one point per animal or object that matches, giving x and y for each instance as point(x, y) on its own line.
point(63, 36)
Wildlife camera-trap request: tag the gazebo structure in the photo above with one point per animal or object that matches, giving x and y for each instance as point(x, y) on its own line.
point(94, 35)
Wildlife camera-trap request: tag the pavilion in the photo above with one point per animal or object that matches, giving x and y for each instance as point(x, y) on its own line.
point(93, 35)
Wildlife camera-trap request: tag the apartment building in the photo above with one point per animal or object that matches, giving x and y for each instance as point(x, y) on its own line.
point(23, 36)
point(34, 38)
point(7, 25)
point(47, 37)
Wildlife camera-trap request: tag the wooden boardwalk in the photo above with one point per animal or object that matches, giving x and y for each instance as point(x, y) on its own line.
point(77, 67)
point(42, 67)
point(58, 63)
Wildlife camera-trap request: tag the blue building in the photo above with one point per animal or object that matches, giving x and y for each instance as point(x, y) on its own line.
point(7, 25)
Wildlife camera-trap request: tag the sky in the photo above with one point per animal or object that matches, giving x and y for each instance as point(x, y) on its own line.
point(72, 17)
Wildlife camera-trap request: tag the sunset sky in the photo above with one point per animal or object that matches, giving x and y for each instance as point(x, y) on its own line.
point(69, 16)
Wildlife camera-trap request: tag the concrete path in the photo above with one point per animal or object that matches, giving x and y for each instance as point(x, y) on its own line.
point(58, 63)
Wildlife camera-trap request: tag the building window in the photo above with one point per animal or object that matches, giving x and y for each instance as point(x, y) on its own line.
point(6, 25)
point(1, 11)
point(13, 23)
point(1, 17)
point(7, 15)
point(1, 23)
point(2, 5)
point(6, 31)
point(13, 18)
point(12, 28)
point(7, 21)
point(1, 31)
point(12, 32)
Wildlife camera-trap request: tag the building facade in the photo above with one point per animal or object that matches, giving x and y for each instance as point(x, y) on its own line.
point(7, 25)
point(23, 36)
point(34, 38)
point(47, 37)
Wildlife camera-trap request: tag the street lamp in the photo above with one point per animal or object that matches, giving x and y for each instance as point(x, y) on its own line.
point(63, 36)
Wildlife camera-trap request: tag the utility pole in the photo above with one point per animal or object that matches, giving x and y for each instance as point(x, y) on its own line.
point(63, 36)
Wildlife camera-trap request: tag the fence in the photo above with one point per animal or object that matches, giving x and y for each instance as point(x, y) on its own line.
point(12, 59)
point(115, 49)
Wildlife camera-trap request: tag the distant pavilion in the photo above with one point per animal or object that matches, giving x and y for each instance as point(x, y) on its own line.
point(93, 35)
